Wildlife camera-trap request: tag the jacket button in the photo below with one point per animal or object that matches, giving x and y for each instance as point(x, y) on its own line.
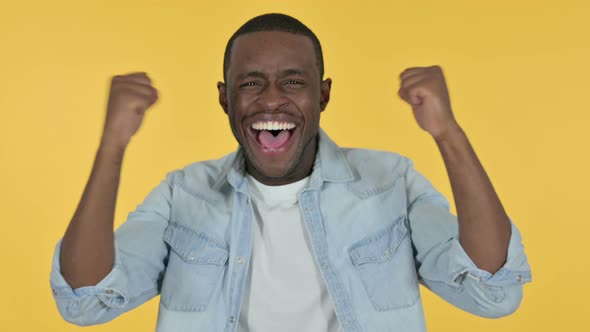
point(387, 253)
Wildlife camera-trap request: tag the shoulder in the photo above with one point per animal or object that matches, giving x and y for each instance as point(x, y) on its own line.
point(375, 162)
point(203, 176)
point(375, 171)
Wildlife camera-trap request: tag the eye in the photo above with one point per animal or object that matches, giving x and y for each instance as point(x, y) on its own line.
point(247, 84)
point(293, 82)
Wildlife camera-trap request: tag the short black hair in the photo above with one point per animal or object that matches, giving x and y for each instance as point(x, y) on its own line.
point(275, 22)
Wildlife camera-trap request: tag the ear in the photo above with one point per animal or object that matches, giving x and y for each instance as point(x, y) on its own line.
point(222, 95)
point(325, 88)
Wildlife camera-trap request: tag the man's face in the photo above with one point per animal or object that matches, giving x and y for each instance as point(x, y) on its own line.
point(273, 98)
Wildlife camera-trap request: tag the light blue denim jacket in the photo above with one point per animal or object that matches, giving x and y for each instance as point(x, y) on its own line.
point(378, 228)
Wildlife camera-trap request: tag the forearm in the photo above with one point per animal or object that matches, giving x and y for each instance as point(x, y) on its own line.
point(87, 250)
point(484, 227)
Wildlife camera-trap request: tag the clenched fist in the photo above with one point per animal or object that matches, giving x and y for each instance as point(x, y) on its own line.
point(424, 88)
point(130, 96)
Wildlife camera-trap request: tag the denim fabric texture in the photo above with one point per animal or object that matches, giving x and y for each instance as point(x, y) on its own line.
point(378, 229)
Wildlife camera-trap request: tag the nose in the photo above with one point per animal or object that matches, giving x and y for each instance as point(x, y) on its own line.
point(272, 98)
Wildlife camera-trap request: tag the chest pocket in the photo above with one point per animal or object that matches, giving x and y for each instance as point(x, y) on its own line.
point(385, 263)
point(195, 268)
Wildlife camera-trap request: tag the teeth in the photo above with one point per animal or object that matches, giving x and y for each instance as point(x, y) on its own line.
point(273, 125)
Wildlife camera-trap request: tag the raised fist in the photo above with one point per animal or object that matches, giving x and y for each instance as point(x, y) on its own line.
point(130, 96)
point(425, 89)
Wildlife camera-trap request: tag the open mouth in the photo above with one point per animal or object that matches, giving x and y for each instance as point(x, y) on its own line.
point(273, 135)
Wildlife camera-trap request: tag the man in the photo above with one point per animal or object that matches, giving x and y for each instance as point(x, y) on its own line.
point(291, 232)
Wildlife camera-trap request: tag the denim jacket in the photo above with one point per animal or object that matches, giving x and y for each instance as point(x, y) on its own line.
point(377, 227)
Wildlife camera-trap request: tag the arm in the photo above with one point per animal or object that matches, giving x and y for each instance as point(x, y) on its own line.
point(484, 227)
point(475, 261)
point(87, 250)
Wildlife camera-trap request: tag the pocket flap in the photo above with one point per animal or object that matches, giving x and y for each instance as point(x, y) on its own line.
point(380, 246)
point(194, 247)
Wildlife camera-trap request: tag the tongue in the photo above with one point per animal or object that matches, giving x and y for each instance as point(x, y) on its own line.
point(274, 142)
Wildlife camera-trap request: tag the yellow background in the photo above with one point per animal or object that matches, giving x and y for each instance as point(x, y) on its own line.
point(518, 74)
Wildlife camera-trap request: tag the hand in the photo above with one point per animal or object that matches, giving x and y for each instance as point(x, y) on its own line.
point(424, 88)
point(130, 96)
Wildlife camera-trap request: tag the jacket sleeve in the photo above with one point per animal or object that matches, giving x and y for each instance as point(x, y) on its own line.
point(445, 268)
point(140, 260)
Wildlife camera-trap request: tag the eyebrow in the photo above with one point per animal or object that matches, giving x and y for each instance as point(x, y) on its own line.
point(259, 74)
point(289, 72)
point(253, 73)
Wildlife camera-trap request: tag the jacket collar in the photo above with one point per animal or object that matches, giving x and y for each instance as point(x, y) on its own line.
point(330, 161)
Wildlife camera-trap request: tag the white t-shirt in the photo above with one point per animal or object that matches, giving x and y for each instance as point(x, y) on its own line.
point(284, 288)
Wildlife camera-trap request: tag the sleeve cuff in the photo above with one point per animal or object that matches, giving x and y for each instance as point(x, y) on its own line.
point(111, 290)
point(516, 270)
